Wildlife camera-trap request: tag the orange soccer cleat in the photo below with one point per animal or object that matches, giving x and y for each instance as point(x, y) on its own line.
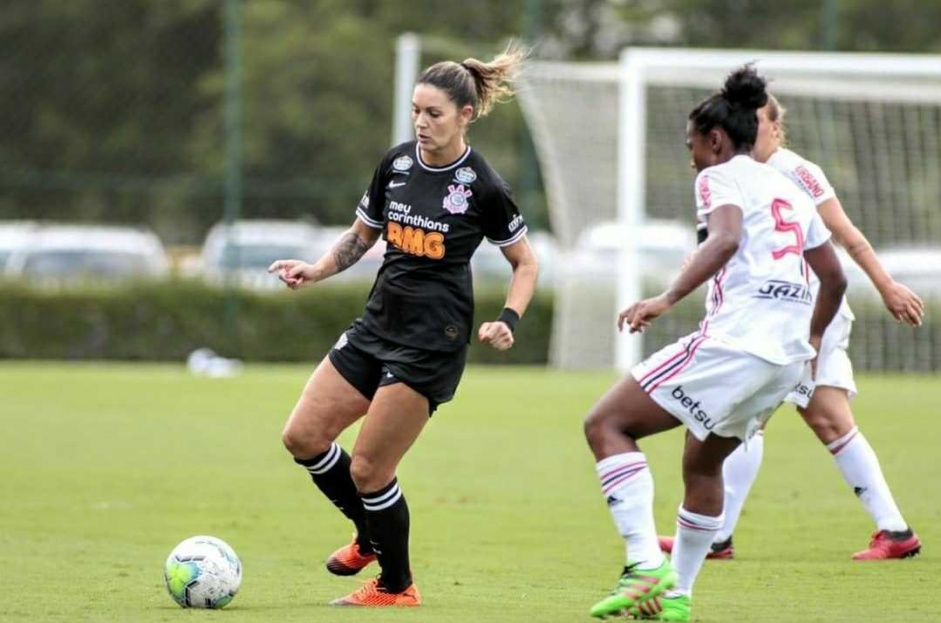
point(886, 545)
point(717, 551)
point(372, 594)
point(348, 560)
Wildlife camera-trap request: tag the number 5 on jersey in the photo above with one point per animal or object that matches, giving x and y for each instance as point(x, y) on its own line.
point(777, 206)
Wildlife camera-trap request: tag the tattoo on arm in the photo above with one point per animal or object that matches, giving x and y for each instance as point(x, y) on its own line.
point(348, 251)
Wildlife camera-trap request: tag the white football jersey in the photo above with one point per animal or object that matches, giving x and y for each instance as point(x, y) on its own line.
point(761, 300)
point(811, 179)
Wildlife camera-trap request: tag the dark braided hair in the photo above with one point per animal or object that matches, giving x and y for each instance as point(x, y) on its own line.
point(733, 108)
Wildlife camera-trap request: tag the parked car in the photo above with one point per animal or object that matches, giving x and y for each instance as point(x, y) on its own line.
point(68, 253)
point(918, 267)
point(14, 235)
point(490, 266)
point(247, 247)
point(664, 245)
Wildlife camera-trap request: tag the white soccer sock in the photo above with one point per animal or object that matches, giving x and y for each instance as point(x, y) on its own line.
point(694, 534)
point(860, 468)
point(627, 486)
point(739, 473)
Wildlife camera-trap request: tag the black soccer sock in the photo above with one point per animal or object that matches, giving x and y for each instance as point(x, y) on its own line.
point(330, 471)
point(388, 521)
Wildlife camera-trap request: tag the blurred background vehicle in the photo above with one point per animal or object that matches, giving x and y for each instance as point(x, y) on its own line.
point(490, 267)
point(247, 247)
point(14, 235)
point(255, 244)
point(918, 267)
point(664, 245)
point(66, 254)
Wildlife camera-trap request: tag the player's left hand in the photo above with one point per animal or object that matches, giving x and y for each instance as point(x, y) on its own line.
point(904, 305)
point(639, 315)
point(497, 334)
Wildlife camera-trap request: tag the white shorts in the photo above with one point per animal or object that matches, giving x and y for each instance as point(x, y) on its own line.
point(712, 387)
point(834, 368)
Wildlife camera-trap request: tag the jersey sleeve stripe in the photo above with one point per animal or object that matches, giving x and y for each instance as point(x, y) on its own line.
point(515, 237)
point(361, 213)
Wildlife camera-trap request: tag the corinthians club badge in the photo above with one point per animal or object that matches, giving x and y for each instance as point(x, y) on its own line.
point(456, 201)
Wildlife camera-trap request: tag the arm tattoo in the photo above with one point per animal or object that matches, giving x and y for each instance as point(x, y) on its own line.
point(348, 251)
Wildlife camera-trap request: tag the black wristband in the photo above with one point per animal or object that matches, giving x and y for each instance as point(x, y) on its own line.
point(510, 317)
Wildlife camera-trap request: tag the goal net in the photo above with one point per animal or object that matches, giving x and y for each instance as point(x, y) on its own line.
point(610, 138)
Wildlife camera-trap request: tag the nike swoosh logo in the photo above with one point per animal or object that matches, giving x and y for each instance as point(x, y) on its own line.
point(395, 184)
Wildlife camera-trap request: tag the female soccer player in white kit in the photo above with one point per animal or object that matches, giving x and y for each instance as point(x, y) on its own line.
point(825, 405)
point(762, 326)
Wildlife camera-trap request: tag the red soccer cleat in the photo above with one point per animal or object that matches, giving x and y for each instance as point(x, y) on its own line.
point(886, 545)
point(348, 560)
point(717, 551)
point(372, 594)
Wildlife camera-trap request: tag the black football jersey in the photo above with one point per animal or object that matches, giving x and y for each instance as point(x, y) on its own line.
point(432, 219)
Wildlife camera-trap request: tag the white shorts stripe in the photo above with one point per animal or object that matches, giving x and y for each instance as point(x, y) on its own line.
point(715, 388)
point(671, 366)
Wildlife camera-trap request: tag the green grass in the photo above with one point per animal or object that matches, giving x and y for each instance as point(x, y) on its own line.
point(103, 469)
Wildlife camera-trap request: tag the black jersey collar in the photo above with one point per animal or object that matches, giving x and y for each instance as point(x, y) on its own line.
point(467, 151)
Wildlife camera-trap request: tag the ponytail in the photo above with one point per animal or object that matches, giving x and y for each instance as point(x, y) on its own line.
point(475, 83)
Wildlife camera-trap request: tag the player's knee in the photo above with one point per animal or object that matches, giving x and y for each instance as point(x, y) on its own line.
point(825, 426)
point(302, 446)
point(598, 427)
point(368, 475)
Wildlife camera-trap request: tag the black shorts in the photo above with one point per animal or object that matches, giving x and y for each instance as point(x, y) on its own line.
point(369, 362)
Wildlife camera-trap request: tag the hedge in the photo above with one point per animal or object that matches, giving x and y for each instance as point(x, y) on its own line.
point(165, 321)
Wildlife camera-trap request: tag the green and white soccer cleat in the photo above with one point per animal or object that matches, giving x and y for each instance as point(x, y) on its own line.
point(664, 608)
point(635, 587)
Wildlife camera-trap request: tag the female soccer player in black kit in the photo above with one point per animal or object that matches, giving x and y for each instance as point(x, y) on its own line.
point(433, 200)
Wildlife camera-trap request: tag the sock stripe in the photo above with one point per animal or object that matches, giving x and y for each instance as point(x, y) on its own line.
point(624, 477)
point(692, 526)
point(384, 500)
point(844, 441)
point(695, 521)
point(330, 459)
point(619, 471)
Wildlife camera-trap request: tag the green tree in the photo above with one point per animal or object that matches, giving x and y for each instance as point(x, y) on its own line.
point(114, 109)
point(859, 25)
point(97, 96)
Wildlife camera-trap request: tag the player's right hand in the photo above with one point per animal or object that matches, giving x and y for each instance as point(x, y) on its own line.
point(904, 305)
point(639, 315)
point(294, 273)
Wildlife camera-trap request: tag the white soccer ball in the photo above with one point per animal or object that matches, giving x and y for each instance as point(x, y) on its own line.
point(203, 572)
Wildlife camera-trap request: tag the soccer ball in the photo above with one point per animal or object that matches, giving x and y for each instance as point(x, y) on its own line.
point(203, 572)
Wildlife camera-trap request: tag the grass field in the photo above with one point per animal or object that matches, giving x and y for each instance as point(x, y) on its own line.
point(103, 469)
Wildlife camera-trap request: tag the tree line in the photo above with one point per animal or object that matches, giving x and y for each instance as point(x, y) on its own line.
point(113, 110)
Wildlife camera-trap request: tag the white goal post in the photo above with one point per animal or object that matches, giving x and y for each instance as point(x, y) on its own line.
point(610, 140)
